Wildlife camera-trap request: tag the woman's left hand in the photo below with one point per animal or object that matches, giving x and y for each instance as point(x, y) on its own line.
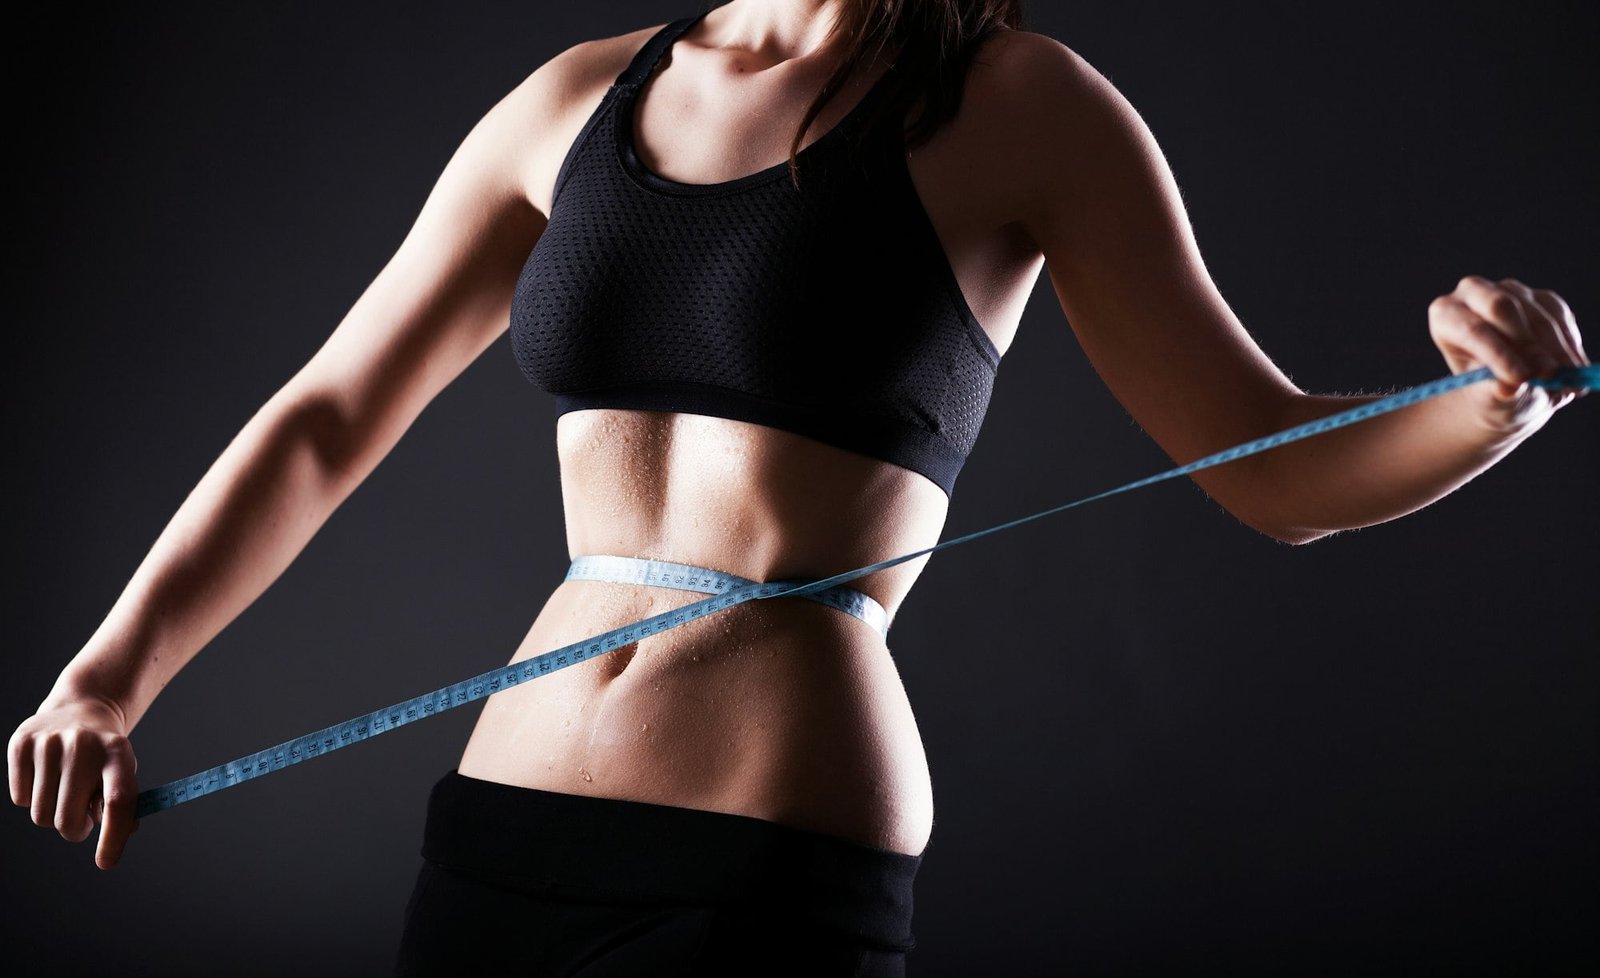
point(1517, 332)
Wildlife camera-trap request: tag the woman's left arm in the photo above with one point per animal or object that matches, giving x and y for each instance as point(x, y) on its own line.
point(1096, 197)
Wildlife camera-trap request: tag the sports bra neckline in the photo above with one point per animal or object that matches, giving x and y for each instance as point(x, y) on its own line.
point(632, 83)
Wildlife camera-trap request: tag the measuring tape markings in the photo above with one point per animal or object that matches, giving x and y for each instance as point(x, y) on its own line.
point(358, 729)
point(688, 577)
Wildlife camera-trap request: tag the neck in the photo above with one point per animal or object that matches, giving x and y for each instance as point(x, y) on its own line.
point(774, 31)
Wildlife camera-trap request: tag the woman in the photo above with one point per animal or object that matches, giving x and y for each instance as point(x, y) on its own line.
point(770, 372)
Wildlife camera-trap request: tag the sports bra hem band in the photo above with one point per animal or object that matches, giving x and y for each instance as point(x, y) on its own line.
point(919, 450)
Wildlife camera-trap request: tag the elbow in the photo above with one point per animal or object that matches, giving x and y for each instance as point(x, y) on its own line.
point(1283, 532)
point(1295, 536)
point(325, 429)
point(320, 426)
point(1279, 515)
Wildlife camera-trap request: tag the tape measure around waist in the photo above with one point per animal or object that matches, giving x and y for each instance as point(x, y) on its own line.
point(688, 577)
point(358, 729)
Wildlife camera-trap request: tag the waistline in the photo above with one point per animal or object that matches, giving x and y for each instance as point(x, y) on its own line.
point(705, 580)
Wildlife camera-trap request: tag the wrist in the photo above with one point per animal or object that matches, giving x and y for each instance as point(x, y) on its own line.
point(79, 684)
point(1507, 420)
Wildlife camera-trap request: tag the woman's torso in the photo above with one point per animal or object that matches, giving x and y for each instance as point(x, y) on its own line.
point(785, 709)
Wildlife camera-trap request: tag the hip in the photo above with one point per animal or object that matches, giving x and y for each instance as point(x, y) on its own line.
point(781, 709)
point(590, 884)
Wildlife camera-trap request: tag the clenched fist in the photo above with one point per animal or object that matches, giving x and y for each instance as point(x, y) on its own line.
point(72, 765)
point(1519, 333)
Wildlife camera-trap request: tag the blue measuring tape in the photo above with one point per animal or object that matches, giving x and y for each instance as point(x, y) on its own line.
point(688, 577)
point(358, 729)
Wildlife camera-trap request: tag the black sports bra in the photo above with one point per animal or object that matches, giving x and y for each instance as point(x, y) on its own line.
point(830, 311)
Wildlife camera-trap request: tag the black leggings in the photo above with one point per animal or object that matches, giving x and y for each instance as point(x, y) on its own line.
point(540, 883)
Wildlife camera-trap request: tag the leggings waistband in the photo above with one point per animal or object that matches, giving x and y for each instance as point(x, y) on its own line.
point(583, 848)
point(688, 577)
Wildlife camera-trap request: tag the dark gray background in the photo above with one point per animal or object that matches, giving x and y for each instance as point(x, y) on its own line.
point(1371, 753)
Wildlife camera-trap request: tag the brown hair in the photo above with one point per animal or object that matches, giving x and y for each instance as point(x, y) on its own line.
point(935, 41)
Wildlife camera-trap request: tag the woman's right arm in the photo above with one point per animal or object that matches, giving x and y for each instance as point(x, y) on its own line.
point(435, 306)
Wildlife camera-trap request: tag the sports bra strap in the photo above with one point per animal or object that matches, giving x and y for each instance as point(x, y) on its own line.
point(645, 60)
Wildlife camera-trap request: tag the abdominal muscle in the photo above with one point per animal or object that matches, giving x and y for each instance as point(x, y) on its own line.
point(781, 709)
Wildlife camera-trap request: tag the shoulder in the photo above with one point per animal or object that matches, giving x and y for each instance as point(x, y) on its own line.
point(576, 76)
point(1022, 76)
point(1016, 58)
point(587, 68)
point(538, 120)
point(1046, 118)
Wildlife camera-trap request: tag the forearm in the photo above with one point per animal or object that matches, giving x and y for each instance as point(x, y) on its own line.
point(1380, 468)
point(252, 512)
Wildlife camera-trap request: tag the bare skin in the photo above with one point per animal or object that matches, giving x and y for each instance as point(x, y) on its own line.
point(787, 711)
point(784, 710)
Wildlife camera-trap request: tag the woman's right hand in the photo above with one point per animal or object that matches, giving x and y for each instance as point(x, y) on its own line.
point(73, 765)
